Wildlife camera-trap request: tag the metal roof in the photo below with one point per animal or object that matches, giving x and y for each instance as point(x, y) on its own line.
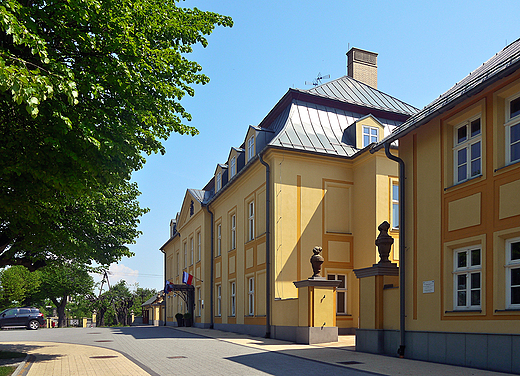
point(200, 195)
point(502, 64)
point(352, 91)
point(318, 128)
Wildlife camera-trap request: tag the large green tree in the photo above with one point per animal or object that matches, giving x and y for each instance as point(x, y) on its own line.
point(87, 89)
point(61, 282)
point(18, 287)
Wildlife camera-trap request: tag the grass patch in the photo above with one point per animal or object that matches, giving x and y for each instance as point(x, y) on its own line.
point(7, 370)
point(11, 355)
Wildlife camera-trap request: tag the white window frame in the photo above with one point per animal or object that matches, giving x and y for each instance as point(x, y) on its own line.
point(368, 135)
point(233, 166)
point(219, 300)
point(185, 245)
point(467, 271)
point(395, 205)
point(251, 221)
point(466, 145)
point(509, 124)
point(510, 266)
point(219, 239)
point(199, 246)
point(219, 182)
point(191, 251)
point(233, 231)
point(251, 148)
point(233, 298)
point(341, 290)
point(251, 296)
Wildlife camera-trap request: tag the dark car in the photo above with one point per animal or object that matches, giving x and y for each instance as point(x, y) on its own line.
point(28, 317)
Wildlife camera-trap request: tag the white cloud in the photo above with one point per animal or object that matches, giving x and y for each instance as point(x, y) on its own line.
point(117, 272)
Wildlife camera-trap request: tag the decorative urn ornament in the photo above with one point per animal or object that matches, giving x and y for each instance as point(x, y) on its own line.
point(316, 261)
point(384, 242)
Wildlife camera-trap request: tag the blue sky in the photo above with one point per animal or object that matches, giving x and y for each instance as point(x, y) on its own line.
point(424, 47)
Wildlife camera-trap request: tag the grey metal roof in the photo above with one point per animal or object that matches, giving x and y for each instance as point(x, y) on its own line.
point(499, 66)
point(200, 195)
point(318, 128)
point(352, 91)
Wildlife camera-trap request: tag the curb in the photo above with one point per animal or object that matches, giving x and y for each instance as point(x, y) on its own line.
point(24, 366)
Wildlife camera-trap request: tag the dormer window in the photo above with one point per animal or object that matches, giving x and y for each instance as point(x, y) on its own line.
point(219, 182)
point(251, 148)
point(370, 135)
point(233, 166)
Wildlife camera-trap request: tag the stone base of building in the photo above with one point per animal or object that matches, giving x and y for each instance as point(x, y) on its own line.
point(495, 352)
point(305, 335)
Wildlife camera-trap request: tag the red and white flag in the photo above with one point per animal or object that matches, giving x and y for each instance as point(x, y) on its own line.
point(187, 278)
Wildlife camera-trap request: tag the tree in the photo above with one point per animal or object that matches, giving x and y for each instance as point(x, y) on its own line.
point(59, 282)
point(18, 287)
point(87, 89)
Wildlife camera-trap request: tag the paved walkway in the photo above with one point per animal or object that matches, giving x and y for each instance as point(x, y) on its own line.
point(148, 350)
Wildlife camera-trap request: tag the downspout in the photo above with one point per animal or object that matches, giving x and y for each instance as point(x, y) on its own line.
point(165, 296)
point(267, 252)
point(211, 319)
point(402, 259)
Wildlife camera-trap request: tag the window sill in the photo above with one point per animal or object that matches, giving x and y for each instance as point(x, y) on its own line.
point(463, 182)
point(465, 311)
point(507, 310)
point(344, 314)
point(506, 166)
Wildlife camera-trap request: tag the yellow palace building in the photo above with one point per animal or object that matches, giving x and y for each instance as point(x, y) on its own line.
point(303, 177)
point(460, 274)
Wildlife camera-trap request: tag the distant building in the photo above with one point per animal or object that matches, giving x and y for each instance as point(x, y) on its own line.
point(303, 177)
point(462, 233)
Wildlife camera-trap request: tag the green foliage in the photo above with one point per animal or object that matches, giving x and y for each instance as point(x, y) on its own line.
point(87, 89)
point(7, 370)
point(18, 287)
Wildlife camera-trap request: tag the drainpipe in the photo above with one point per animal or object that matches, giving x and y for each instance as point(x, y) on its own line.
point(402, 259)
point(165, 296)
point(267, 252)
point(211, 319)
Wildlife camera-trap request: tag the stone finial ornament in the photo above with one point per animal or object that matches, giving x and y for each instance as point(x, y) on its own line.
point(384, 242)
point(316, 261)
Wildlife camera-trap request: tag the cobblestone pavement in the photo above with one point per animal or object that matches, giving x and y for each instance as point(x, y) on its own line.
point(172, 351)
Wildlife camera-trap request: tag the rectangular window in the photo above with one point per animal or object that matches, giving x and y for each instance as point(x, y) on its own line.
point(251, 296)
point(395, 205)
point(251, 148)
point(467, 278)
point(198, 247)
point(513, 129)
point(219, 182)
point(251, 221)
point(341, 292)
point(191, 251)
point(513, 273)
point(185, 255)
point(233, 231)
point(219, 300)
point(370, 135)
point(233, 296)
point(467, 152)
point(219, 240)
point(233, 166)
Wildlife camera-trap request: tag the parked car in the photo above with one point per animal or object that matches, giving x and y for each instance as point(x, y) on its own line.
point(28, 317)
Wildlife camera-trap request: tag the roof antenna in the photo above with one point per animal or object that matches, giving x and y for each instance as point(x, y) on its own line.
point(317, 80)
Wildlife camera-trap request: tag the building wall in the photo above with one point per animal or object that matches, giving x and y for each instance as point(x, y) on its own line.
point(446, 216)
point(444, 219)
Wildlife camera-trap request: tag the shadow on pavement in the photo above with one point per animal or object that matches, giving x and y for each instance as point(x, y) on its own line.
point(273, 363)
point(151, 332)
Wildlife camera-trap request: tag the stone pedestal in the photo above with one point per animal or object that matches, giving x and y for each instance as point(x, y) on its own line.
point(316, 311)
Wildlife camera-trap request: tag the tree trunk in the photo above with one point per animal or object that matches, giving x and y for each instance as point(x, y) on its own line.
point(62, 320)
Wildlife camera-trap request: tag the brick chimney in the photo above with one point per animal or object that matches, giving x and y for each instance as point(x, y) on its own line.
point(362, 66)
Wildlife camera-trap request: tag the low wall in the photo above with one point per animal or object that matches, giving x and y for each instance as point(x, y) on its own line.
point(496, 352)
